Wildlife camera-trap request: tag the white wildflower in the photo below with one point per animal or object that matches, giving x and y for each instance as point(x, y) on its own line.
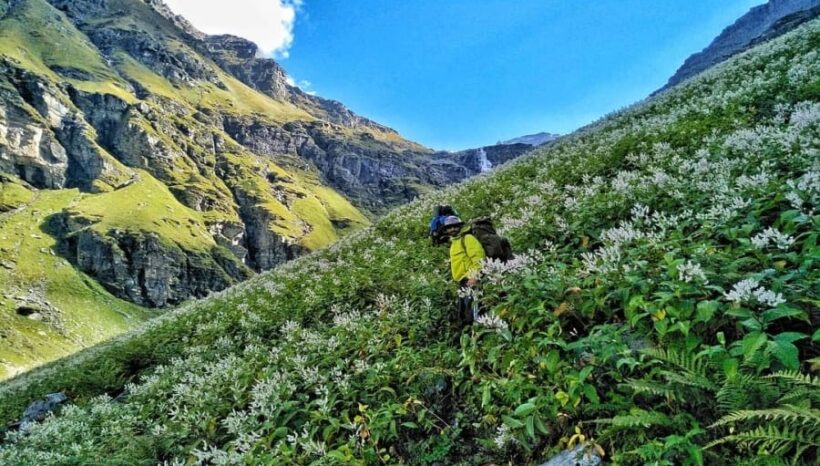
point(503, 436)
point(691, 271)
point(770, 237)
point(493, 322)
point(750, 291)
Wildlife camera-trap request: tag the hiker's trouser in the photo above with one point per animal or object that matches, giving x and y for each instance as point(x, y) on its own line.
point(468, 309)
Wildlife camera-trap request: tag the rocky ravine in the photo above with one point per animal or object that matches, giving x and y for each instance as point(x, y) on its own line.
point(98, 95)
point(761, 23)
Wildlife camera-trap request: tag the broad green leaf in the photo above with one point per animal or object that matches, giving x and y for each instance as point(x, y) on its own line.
point(539, 425)
point(530, 427)
point(512, 422)
point(752, 324)
point(781, 312)
point(790, 337)
point(730, 366)
point(591, 394)
point(585, 373)
point(485, 396)
point(752, 343)
point(552, 360)
point(786, 353)
point(706, 310)
point(740, 313)
point(524, 409)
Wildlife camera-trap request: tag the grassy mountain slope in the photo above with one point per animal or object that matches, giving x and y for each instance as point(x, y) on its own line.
point(161, 174)
point(39, 286)
point(662, 308)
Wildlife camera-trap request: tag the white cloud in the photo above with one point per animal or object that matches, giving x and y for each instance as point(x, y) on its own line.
point(268, 23)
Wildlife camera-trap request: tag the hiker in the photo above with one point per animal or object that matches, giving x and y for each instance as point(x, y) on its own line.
point(470, 244)
point(466, 254)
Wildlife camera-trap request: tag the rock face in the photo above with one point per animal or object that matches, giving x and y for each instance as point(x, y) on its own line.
point(760, 24)
point(147, 270)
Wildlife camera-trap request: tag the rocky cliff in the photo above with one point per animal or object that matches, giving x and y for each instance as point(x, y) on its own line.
point(760, 24)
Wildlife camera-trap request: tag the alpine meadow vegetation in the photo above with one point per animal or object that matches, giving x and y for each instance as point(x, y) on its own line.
point(662, 309)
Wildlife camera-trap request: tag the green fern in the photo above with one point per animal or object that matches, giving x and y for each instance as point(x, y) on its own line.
point(651, 388)
point(745, 391)
point(695, 368)
point(774, 440)
point(796, 378)
point(637, 418)
point(792, 416)
point(798, 395)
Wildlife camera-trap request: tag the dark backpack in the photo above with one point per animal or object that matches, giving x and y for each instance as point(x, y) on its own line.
point(495, 246)
point(439, 214)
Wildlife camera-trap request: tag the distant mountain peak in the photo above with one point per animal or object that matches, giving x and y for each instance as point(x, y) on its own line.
point(533, 139)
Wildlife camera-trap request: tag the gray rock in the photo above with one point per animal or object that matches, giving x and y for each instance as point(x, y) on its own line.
point(761, 23)
point(28, 148)
point(581, 455)
point(38, 410)
point(146, 270)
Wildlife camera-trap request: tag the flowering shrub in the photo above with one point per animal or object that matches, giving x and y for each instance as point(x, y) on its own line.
point(661, 309)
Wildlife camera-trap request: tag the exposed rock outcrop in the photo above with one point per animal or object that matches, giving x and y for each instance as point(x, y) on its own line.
point(760, 24)
point(44, 140)
point(146, 269)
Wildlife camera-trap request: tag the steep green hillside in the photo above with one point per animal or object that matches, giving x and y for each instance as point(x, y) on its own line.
point(165, 164)
point(47, 309)
point(662, 309)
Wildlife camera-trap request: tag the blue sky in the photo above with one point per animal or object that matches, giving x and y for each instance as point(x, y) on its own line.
point(454, 74)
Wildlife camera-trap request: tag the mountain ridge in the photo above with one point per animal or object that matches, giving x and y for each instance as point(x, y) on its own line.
point(761, 23)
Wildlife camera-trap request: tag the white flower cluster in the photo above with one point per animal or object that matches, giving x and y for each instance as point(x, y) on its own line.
point(503, 437)
point(771, 237)
point(750, 291)
point(691, 271)
point(492, 321)
point(494, 271)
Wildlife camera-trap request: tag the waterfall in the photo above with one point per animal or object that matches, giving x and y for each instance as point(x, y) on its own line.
point(483, 162)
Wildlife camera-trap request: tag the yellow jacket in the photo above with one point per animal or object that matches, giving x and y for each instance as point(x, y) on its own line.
point(466, 254)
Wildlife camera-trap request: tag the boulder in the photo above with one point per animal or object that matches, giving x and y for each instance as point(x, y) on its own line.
point(581, 455)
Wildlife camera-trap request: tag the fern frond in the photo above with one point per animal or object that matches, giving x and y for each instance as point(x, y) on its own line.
point(799, 394)
point(744, 391)
point(772, 438)
point(637, 418)
point(796, 378)
point(651, 388)
point(695, 364)
point(690, 380)
point(695, 367)
point(791, 416)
